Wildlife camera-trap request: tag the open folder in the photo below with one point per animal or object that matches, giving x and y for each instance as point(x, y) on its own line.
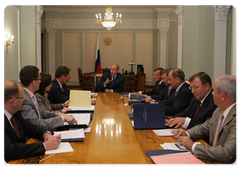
point(83, 120)
point(71, 135)
point(80, 100)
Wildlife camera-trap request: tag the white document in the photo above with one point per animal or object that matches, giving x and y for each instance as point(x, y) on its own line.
point(164, 132)
point(82, 118)
point(172, 146)
point(63, 147)
point(71, 134)
point(83, 108)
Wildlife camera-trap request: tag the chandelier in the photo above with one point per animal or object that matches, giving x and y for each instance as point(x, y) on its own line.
point(108, 20)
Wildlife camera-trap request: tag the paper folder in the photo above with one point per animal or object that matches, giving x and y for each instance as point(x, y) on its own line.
point(80, 98)
point(149, 116)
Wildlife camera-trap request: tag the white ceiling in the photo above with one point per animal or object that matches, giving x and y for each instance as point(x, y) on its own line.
point(114, 5)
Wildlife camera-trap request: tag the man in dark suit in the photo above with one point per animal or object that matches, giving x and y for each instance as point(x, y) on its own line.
point(201, 106)
point(157, 93)
point(59, 92)
point(111, 81)
point(220, 128)
point(182, 96)
point(16, 129)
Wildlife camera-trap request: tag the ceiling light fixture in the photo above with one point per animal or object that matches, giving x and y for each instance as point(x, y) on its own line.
point(108, 20)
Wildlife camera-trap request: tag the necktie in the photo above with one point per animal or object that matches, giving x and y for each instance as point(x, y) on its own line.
point(15, 128)
point(113, 78)
point(36, 105)
point(169, 90)
point(197, 109)
point(220, 119)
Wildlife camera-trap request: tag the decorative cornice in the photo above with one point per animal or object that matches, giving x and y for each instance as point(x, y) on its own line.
point(179, 12)
point(163, 27)
point(221, 12)
point(39, 12)
point(90, 24)
point(103, 9)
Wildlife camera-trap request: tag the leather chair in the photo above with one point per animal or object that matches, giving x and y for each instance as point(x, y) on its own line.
point(86, 82)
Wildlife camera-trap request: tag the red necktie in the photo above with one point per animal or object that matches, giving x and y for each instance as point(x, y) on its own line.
point(220, 119)
point(15, 128)
point(197, 109)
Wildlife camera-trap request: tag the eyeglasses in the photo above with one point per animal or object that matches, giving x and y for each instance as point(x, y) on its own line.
point(17, 98)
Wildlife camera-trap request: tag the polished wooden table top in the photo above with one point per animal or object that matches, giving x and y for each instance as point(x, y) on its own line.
point(112, 139)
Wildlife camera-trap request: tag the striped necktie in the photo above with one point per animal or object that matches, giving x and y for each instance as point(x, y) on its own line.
point(15, 128)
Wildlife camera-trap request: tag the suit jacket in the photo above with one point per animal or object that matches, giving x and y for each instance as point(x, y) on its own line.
point(118, 84)
point(179, 102)
point(48, 119)
point(45, 104)
point(56, 94)
point(158, 92)
point(225, 151)
point(205, 111)
point(15, 148)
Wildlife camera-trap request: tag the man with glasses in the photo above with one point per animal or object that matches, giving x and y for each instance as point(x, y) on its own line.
point(201, 106)
point(30, 78)
point(16, 129)
point(59, 92)
point(111, 81)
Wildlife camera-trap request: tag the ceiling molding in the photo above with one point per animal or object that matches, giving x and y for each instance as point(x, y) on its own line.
point(97, 10)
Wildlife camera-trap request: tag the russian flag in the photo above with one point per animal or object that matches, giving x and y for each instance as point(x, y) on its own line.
point(98, 61)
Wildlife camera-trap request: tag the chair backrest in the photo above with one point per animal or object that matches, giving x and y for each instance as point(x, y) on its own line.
point(80, 75)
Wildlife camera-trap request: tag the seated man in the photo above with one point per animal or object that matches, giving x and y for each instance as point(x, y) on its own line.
point(158, 92)
point(16, 129)
point(182, 94)
point(59, 92)
point(111, 81)
point(201, 106)
point(220, 128)
point(30, 78)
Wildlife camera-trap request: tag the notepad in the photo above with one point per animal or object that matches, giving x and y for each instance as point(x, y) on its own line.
point(80, 98)
point(63, 147)
point(71, 135)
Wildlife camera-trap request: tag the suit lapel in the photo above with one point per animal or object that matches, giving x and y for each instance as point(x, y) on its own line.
point(27, 96)
point(229, 117)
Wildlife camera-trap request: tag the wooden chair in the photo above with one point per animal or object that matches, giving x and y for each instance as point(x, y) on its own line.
point(86, 82)
point(131, 82)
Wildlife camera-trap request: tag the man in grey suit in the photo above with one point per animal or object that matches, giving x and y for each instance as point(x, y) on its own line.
point(222, 139)
point(30, 78)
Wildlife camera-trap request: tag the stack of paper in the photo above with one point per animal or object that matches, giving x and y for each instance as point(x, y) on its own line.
point(63, 147)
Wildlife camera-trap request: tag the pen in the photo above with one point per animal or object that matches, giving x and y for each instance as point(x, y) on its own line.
point(47, 157)
point(177, 146)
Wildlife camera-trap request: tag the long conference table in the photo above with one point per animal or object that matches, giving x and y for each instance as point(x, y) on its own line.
point(112, 139)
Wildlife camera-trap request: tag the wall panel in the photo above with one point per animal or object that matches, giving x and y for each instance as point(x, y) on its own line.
point(70, 52)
